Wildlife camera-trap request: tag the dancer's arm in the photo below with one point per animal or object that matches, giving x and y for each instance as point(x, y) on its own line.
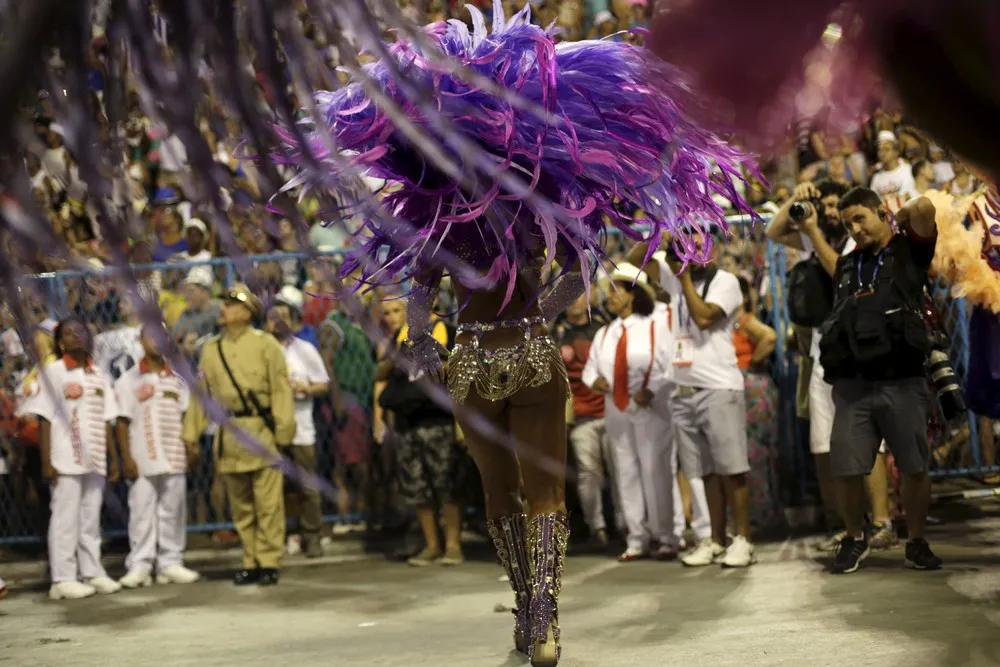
point(917, 219)
point(567, 288)
point(425, 351)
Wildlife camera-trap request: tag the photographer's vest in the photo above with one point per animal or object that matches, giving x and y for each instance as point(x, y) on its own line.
point(876, 330)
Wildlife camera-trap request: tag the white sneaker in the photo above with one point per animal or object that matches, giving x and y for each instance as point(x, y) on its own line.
point(104, 585)
point(293, 547)
point(177, 574)
point(70, 590)
point(136, 579)
point(739, 554)
point(704, 554)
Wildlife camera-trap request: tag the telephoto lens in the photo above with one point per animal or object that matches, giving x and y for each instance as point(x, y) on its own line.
point(799, 211)
point(949, 393)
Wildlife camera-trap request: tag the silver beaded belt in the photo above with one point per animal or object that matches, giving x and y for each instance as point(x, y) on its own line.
point(499, 374)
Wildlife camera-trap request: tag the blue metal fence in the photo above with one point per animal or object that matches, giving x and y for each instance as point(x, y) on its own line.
point(23, 509)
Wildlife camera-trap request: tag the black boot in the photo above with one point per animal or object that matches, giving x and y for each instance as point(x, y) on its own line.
point(268, 576)
point(246, 577)
point(509, 539)
point(548, 535)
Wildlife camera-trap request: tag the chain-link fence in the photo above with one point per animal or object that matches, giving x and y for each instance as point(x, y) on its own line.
point(356, 472)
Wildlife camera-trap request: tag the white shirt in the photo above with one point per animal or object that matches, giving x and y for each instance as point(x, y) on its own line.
point(173, 154)
point(943, 172)
point(643, 354)
point(305, 365)
point(12, 346)
point(895, 187)
point(78, 403)
point(154, 404)
point(713, 362)
point(117, 351)
point(809, 249)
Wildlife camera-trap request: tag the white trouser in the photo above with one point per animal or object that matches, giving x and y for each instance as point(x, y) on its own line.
point(592, 449)
point(643, 446)
point(75, 528)
point(157, 520)
point(701, 524)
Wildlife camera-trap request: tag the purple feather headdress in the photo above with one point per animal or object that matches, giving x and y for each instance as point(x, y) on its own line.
point(593, 129)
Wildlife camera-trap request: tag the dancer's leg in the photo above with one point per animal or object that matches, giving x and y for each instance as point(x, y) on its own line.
point(498, 465)
point(536, 421)
point(506, 521)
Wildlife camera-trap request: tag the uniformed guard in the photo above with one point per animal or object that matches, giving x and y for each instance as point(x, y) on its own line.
point(244, 370)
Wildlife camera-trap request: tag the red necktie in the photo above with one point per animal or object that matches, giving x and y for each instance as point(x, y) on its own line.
point(619, 391)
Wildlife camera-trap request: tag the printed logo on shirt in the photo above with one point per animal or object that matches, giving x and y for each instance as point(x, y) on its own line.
point(120, 364)
point(72, 390)
point(146, 392)
point(172, 395)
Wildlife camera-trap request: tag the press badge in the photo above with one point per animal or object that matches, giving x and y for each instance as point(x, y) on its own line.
point(683, 351)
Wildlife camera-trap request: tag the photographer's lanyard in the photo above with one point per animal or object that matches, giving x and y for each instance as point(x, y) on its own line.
point(879, 261)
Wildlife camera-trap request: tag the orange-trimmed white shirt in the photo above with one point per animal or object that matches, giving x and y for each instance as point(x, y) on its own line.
point(154, 404)
point(78, 402)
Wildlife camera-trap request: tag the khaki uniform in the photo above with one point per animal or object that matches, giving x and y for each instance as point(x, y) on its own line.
point(254, 485)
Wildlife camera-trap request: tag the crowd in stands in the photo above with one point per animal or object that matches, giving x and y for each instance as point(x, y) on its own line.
point(895, 158)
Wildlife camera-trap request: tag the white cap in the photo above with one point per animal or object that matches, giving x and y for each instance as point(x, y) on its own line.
point(290, 296)
point(48, 325)
point(632, 275)
point(886, 135)
point(200, 275)
point(195, 223)
point(603, 16)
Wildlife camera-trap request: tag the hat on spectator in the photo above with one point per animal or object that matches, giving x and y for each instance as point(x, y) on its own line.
point(603, 16)
point(195, 223)
point(241, 294)
point(630, 274)
point(201, 276)
point(165, 197)
point(886, 135)
point(48, 325)
point(291, 297)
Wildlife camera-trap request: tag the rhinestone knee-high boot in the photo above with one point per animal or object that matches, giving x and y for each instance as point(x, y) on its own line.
point(548, 535)
point(510, 541)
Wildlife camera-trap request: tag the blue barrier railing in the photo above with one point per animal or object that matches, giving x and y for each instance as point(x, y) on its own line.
point(19, 505)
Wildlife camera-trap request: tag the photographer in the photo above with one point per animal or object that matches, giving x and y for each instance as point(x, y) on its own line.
point(810, 222)
point(708, 404)
point(873, 350)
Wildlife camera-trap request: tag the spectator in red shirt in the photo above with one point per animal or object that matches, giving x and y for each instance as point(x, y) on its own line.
point(574, 331)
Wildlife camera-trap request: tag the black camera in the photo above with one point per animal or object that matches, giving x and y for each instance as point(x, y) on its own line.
point(671, 253)
point(942, 375)
point(801, 210)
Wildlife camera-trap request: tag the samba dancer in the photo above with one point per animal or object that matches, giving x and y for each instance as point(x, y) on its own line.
point(609, 136)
